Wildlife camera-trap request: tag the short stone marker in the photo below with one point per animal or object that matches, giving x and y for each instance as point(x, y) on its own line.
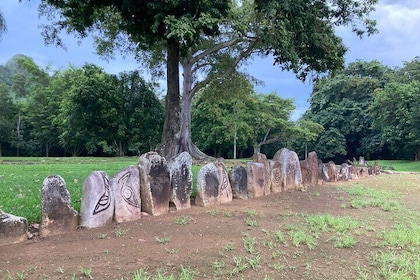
point(155, 184)
point(344, 172)
point(12, 228)
point(256, 173)
point(126, 187)
point(309, 169)
point(225, 189)
point(208, 186)
point(332, 171)
point(276, 177)
point(353, 172)
point(363, 171)
point(238, 180)
point(181, 181)
point(97, 207)
point(57, 216)
point(322, 172)
point(290, 167)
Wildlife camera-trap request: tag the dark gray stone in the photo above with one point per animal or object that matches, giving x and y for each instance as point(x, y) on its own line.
point(57, 216)
point(290, 167)
point(126, 187)
point(155, 184)
point(238, 180)
point(225, 189)
point(97, 207)
point(181, 180)
point(12, 228)
point(208, 186)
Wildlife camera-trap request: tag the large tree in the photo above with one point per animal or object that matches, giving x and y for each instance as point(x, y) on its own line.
point(148, 25)
point(300, 35)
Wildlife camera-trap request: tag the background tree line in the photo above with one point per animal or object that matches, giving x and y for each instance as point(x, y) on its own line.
point(77, 111)
point(368, 109)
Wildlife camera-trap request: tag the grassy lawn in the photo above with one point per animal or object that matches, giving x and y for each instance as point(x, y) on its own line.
point(400, 165)
point(21, 178)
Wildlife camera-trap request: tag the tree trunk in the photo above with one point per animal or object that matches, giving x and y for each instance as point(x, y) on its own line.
point(47, 149)
point(186, 144)
point(257, 149)
point(169, 147)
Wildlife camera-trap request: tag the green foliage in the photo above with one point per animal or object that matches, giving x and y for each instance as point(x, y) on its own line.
point(223, 113)
point(340, 103)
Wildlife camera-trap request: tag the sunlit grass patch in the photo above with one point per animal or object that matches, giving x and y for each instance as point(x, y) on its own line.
point(363, 197)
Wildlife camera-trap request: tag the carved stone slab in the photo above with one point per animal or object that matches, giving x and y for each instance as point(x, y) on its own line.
point(57, 216)
point(97, 207)
point(12, 228)
point(292, 175)
point(238, 180)
point(181, 181)
point(126, 186)
point(208, 186)
point(155, 184)
point(256, 174)
point(225, 189)
point(276, 177)
point(332, 171)
point(309, 169)
point(262, 158)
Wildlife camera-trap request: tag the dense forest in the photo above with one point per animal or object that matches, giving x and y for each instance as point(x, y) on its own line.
point(367, 109)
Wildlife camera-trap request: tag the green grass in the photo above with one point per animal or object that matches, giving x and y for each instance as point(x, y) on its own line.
point(21, 180)
point(400, 165)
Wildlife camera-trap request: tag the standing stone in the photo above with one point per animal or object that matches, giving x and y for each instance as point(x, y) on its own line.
point(290, 168)
point(262, 158)
point(238, 180)
point(362, 160)
point(363, 171)
point(309, 168)
point(344, 172)
point(208, 186)
point(126, 187)
point(332, 171)
point(12, 229)
point(155, 184)
point(353, 172)
point(225, 189)
point(323, 172)
point(57, 216)
point(97, 207)
point(181, 181)
point(376, 169)
point(256, 179)
point(276, 177)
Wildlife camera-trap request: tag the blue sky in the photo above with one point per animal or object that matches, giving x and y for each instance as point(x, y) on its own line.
point(398, 41)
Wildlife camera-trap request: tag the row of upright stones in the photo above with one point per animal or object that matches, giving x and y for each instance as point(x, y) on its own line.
point(150, 187)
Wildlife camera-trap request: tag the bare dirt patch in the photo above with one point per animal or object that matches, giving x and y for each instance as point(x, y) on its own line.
point(211, 241)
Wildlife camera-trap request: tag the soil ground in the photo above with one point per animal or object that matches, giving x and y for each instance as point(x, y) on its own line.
point(212, 242)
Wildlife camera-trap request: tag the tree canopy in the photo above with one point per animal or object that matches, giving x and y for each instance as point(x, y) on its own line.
point(367, 110)
point(300, 35)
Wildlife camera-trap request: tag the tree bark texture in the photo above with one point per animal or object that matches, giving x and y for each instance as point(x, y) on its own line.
point(169, 147)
